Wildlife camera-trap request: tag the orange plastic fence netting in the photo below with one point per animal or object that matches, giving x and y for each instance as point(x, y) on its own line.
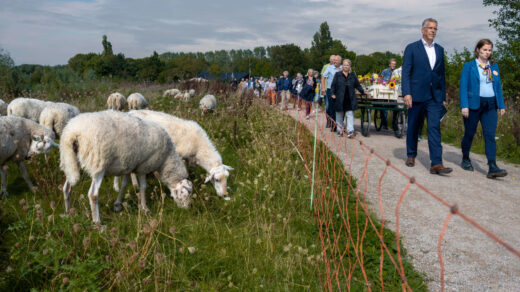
point(346, 229)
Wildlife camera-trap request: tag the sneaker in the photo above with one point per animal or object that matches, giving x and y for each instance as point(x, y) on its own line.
point(307, 117)
point(419, 138)
point(466, 164)
point(351, 134)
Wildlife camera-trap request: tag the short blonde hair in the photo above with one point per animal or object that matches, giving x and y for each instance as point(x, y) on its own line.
point(349, 62)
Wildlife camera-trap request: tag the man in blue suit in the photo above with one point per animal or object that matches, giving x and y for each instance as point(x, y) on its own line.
point(424, 90)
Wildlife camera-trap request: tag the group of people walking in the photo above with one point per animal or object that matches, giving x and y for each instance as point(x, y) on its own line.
point(423, 87)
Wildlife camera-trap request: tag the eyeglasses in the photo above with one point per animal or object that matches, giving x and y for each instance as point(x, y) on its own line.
point(431, 28)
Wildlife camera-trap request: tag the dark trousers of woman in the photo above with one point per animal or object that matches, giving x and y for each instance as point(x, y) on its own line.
point(487, 116)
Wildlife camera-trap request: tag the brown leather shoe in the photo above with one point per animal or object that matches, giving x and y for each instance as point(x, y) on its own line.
point(440, 169)
point(410, 162)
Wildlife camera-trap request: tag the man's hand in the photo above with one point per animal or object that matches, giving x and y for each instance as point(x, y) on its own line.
point(465, 112)
point(333, 97)
point(323, 92)
point(408, 101)
point(502, 112)
point(444, 103)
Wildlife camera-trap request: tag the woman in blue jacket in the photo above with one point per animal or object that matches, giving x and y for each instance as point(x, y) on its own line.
point(480, 97)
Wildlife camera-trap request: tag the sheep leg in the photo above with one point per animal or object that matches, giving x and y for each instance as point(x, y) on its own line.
point(67, 188)
point(116, 183)
point(134, 180)
point(117, 205)
point(93, 195)
point(3, 191)
point(25, 175)
point(142, 188)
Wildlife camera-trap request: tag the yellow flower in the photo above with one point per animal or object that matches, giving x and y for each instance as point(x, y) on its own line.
point(375, 76)
point(391, 85)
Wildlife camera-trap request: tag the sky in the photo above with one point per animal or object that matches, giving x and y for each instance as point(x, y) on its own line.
point(50, 32)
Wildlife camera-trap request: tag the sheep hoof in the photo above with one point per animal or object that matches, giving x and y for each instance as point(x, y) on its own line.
point(118, 207)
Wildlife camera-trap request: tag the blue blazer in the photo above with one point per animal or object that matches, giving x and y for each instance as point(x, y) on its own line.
point(418, 77)
point(469, 89)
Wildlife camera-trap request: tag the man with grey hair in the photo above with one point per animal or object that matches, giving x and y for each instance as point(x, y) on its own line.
point(285, 90)
point(329, 75)
point(424, 90)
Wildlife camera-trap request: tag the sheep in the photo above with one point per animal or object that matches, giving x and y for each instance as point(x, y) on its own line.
point(3, 108)
point(113, 143)
point(186, 96)
point(171, 92)
point(208, 103)
point(29, 108)
point(193, 144)
point(116, 101)
point(192, 92)
point(21, 138)
point(136, 101)
point(56, 115)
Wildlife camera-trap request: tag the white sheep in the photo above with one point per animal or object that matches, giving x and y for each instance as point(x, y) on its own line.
point(192, 92)
point(3, 108)
point(56, 115)
point(186, 96)
point(171, 92)
point(193, 144)
point(208, 103)
point(113, 143)
point(116, 101)
point(29, 108)
point(21, 138)
point(136, 101)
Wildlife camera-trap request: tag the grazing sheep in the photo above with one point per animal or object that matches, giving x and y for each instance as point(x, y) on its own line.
point(56, 115)
point(171, 92)
point(21, 138)
point(208, 103)
point(186, 96)
point(192, 92)
point(116, 101)
point(3, 108)
point(29, 108)
point(113, 143)
point(193, 144)
point(136, 101)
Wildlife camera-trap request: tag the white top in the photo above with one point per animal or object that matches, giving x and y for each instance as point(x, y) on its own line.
point(271, 85)
point(430, 51)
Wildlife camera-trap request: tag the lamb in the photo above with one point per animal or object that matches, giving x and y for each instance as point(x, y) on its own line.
point(113, 143)
point(136, 101)
point(193, 144)
point(171, 92)
point(208, 103)
point(56, 115)
point(192, 92)
point(21, 138)
point(3, 108)
point(116, 101)
point(186, 96)
point(29, 108)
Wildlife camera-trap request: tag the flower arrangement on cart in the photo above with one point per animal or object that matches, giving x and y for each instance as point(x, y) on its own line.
point(381, 89)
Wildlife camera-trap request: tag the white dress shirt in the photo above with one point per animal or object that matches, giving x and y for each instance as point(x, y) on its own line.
point(430, 51)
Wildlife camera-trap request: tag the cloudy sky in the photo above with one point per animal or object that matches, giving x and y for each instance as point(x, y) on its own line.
point(52, 31)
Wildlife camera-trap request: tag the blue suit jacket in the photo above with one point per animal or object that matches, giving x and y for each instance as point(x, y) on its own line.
point(469, 89)
point(418, 77)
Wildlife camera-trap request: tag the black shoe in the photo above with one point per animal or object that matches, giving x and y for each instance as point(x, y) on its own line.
point(466, 164)
point(494, 171)
point(384, 127)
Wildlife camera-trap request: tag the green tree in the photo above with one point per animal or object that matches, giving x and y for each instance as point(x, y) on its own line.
point(322, 43)
point(288, 57)
point(107, 46)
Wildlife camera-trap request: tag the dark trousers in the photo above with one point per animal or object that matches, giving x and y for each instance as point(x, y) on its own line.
point(432, 110)
point(487, 116)
point(330, 110)
point(384, 119)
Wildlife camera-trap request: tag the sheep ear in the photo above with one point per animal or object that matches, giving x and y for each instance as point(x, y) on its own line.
point(227, 167)
point(208, 178)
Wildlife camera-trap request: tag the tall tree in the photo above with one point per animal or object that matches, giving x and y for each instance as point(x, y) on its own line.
point(107, 47)
point(322, 42)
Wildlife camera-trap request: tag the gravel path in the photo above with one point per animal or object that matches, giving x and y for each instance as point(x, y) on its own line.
point(473, 262)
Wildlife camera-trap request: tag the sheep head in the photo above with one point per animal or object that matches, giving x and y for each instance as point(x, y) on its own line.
point(181, 193)
point(218, 177)
point(41, 145)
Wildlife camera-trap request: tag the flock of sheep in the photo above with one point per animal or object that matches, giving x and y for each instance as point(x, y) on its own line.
point(112, 143)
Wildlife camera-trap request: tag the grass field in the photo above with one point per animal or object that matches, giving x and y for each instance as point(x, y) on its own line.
point(263, 239)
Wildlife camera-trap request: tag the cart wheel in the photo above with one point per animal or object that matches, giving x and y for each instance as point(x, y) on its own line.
point(400, 125)
point(378, 119)
point(365, 122)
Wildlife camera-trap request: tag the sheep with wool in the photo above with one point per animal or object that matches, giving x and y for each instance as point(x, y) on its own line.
point(29, 108)
point(56, 115)
point(193, 144)
point(208, 103)
point(113, 143)
point(136, 101)
point(20, 139)
point(171, 92)
point(3, 108)
point(117, 101)
point(192, 92)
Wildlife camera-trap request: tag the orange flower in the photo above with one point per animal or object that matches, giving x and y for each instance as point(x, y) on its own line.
point(391, 85)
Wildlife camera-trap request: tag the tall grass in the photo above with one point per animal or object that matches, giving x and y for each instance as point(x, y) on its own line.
point(264, 238)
